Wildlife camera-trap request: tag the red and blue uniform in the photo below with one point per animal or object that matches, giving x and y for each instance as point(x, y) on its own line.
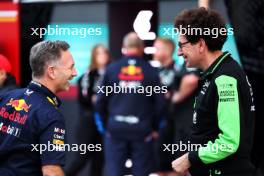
point(29, 117)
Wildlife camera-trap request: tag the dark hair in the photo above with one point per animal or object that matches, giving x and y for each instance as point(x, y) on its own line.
point(202, 18)
point(43, 53)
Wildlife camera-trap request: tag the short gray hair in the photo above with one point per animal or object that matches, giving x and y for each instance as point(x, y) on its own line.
point(44, 53)
point(131, 40)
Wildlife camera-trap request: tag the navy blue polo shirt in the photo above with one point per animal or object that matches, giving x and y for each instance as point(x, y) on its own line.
point(30, 117)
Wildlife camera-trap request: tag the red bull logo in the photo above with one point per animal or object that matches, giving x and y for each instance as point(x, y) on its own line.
point(19, 105)
point(14, 116)
point(131, 73)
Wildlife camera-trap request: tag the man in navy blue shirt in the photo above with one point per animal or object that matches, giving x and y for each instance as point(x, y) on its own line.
point(29, 117)
point(131, 98)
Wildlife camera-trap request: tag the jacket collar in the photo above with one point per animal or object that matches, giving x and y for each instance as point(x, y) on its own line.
point(213, 67)
point(51, 97)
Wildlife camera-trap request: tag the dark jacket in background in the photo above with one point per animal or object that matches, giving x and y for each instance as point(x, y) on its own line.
point(9, 84)
point(119, 108)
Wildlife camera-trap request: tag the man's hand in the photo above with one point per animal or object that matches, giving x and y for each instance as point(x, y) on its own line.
point(52, 170)
point(181, 165)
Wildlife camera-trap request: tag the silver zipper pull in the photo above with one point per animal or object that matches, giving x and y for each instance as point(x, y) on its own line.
point(210, 171)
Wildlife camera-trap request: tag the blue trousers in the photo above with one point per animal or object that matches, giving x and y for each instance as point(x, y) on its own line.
point(117, 151)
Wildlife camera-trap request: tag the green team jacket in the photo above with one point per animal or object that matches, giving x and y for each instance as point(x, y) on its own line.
point(223, 121)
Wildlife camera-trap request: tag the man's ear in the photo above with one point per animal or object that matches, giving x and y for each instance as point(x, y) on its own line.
point(202, 45)
point(51, 72)
point(124, 51)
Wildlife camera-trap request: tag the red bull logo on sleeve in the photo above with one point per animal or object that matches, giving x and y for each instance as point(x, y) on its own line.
point(19, 105)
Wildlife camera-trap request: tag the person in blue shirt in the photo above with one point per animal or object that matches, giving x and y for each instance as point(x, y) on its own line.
point(132, 109)
point(30, 119)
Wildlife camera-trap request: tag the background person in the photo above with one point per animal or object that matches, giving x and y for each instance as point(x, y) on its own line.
point(7, 81)
point(132, 118)
point(87, 90)
point(181, 85)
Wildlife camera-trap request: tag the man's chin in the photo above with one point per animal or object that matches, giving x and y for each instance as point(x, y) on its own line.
point(188, 64)
point(65, 88)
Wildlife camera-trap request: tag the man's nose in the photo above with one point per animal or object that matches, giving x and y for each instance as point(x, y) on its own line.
point(180, 53)
point(74, 73)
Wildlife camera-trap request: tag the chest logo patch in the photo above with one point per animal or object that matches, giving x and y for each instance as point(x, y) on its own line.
point(131, 72)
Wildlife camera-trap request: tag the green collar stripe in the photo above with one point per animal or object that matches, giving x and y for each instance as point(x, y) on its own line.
point(219, 62)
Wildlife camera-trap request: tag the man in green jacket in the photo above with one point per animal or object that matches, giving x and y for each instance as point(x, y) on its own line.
point(223, 118)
